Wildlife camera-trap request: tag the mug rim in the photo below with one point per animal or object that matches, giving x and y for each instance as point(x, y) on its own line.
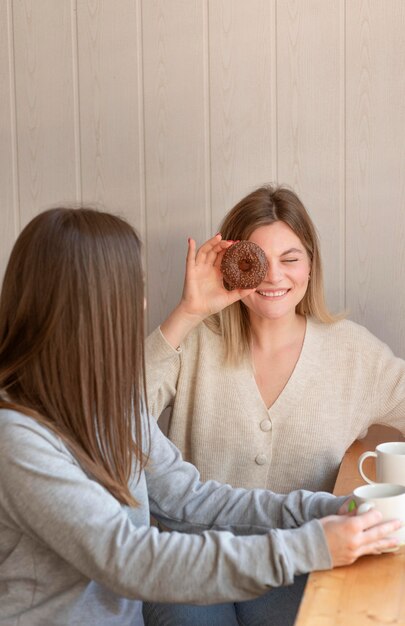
point(395, 491)
point(382, 447)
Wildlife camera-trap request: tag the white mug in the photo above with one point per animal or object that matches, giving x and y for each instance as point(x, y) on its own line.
point(388, 499)
point(390, 463)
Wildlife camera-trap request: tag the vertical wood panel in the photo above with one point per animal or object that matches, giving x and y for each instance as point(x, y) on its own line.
point(45, 111)
point(242, 85)
point(110, 79)
point(310, 138)
point(376, 167)
point(172, 111)
point(9, 218)
point(175, 122)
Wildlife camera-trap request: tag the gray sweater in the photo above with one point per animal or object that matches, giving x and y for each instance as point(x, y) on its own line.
point(71, 554)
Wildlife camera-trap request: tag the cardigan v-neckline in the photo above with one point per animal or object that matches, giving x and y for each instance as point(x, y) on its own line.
point(249, 390)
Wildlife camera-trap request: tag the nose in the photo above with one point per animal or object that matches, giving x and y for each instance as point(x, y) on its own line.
point(274, 272)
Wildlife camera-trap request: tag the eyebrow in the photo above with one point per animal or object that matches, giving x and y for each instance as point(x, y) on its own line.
point(292, 250)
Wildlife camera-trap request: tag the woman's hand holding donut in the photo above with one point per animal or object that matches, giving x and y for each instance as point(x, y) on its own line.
point(203, 292)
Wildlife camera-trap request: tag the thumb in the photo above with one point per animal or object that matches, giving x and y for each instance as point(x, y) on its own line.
point(239, 294)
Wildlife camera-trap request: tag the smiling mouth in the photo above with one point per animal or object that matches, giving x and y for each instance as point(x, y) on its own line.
point(273, 294)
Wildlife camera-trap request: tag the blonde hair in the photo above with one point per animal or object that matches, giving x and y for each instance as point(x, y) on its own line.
point(264, 206)
point(71, 338)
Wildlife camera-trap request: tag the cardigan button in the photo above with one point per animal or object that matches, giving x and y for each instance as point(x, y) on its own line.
point(261, 459)
point(266, 425)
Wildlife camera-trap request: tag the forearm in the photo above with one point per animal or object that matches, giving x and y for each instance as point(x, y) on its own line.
point(219, 567)
point(243, 512)
point(181, 501)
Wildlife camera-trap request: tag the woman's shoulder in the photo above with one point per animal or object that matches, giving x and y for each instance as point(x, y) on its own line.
point(19, 431)
point(347, 333)
point(12, 421)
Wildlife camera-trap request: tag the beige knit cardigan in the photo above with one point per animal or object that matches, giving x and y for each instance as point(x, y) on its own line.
point(344, 381)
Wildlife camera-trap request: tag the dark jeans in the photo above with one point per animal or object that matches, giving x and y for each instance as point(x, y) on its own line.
point(277, 607)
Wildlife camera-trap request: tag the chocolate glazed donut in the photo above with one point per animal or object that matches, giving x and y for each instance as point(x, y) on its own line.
point(244, 266)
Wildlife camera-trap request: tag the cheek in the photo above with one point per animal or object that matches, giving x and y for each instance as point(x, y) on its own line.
point(250, 301)
point(304, 279)
point(301, 282)
point(302, 276)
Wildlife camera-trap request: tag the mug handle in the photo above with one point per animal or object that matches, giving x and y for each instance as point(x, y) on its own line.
point(360, 462)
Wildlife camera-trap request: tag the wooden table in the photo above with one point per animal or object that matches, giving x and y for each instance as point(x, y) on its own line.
point(371, 591)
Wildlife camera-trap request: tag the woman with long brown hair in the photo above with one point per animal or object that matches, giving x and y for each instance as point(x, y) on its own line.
point(267, 388)
point(82, 466)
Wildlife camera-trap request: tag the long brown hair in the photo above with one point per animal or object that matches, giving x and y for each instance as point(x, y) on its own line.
point(264, 206)
point(71, 338)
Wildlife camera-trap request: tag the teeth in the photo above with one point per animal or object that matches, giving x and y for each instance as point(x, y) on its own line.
point(273, 294)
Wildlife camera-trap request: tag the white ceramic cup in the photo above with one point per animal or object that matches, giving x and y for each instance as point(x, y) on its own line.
point(390, 463)
point(387, 498)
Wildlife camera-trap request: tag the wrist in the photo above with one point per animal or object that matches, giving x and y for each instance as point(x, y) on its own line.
point(188, 317)
point(179, 323)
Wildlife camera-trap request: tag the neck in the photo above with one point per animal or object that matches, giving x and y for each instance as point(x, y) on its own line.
point(270, 335)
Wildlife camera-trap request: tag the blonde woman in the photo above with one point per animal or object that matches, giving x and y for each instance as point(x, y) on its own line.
point(267, 388)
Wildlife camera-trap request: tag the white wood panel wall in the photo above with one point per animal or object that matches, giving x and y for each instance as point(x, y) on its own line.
point(169, 111)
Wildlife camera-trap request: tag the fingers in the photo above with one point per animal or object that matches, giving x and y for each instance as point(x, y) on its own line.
point(386, 543)
point(214, 256)
point(190, 253)
point(350, 537)
point(380, 531)
point(209, 254)
point(371, 535)
point(369, 526)
point(366, 520)
point(389, 544)
point(238, 294)
point(210, 250)
point(370, 522)
point(242, 293)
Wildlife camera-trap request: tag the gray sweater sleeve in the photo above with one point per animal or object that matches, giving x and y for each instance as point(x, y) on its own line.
point(45, 495)
point(179, 500)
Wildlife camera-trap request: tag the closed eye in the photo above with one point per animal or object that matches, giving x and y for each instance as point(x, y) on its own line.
point(290, 260)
